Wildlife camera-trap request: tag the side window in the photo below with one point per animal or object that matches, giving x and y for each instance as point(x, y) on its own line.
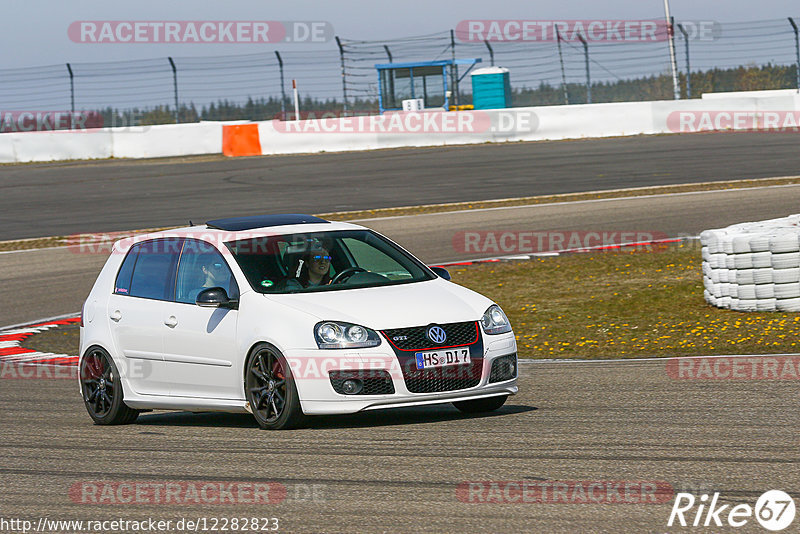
point(201, 267)
point(154, 274)
point(123, 284)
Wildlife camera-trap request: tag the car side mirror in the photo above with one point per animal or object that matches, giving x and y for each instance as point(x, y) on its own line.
point(441, 272)
point(215, 297)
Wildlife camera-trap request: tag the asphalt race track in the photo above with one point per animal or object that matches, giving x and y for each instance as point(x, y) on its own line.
point(65, 198)
point(573, 423)
point(399, 471)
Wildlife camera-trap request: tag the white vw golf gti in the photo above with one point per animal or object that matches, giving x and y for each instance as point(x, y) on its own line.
point(285, 316)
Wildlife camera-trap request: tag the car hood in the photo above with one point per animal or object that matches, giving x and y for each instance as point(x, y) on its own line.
point(399, 306)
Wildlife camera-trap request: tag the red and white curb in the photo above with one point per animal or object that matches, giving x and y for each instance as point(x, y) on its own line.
point(12, 351)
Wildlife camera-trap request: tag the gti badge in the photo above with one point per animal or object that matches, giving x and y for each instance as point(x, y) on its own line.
point(437, 334)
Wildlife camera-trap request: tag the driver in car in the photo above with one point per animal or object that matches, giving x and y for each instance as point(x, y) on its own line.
point(316, 268)
point(215, 275)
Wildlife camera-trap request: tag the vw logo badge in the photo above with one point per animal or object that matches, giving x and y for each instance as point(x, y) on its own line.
point(437, 334)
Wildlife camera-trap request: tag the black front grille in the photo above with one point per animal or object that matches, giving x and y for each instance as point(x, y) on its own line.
point(442, 378)
point(415, 338)
point(376, 381)
point(503, 368)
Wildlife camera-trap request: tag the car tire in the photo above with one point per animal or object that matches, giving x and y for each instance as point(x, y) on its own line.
point(101, 388)
point(481, 405)
point(271, 391)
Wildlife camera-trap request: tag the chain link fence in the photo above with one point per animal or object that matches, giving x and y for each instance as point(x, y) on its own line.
point(723, 57)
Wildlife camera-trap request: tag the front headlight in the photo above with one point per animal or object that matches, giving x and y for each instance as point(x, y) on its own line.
point(337, 335)
point(494, 321)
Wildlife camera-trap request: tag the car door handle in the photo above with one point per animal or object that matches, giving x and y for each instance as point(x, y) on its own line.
point(171, 321)
point(116, 316)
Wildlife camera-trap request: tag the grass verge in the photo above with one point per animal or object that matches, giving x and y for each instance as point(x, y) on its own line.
point(623, 305)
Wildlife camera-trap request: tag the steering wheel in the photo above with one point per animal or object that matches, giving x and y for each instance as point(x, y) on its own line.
point(347, 273)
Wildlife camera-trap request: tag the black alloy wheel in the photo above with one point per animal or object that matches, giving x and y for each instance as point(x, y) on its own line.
point(102, 389)
point(271, 390)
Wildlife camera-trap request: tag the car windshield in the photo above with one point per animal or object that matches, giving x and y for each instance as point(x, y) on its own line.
point(325, 261)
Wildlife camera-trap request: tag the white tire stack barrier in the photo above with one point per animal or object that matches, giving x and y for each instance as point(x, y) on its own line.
point(753, 266)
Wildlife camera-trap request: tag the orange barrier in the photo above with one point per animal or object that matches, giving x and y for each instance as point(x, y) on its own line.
point(241, 140)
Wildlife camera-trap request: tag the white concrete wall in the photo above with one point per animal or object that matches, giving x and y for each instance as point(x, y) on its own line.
point(750, 94)
point(593, 120)
point(167, 140)
point(553, 122)
point(548, 123)
point(53, 146)
point(130, 142)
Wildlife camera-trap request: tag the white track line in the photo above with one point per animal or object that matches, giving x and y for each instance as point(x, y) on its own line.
point(30, 358)
point(32, 249)
point(37, 321)
point(598, 191)
point(664, 359)
point(587, 201)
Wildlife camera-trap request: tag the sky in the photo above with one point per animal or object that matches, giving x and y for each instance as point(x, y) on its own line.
point(35, 31)
point(41, 36)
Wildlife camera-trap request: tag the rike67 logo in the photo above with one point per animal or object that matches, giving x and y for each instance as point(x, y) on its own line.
point(774, 510)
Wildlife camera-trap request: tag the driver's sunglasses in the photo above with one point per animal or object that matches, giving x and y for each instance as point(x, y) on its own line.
point(320, 257)
point(216, 266)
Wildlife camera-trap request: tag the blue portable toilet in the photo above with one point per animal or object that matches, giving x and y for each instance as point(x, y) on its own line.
point(491, 88)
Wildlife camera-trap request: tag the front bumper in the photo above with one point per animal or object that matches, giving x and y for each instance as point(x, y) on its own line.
point(317, 397)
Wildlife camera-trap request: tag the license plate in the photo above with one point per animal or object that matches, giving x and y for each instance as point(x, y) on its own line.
point(442, 358)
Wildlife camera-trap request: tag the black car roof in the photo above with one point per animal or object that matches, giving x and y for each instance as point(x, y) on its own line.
point(236, 224)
